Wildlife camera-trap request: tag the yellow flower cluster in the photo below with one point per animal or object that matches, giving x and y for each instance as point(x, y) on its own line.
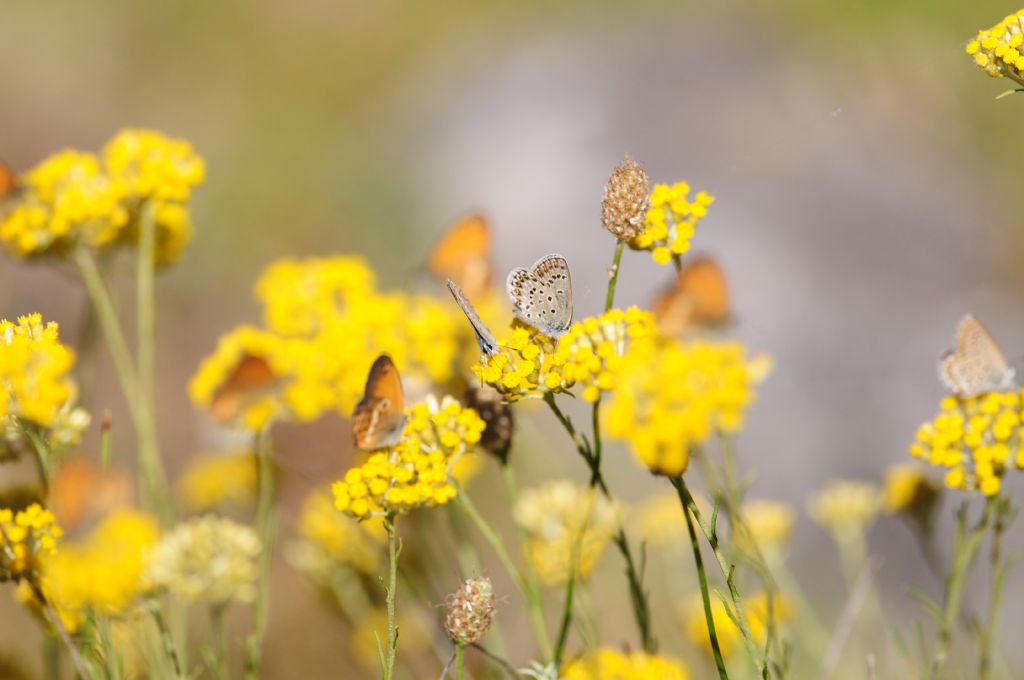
point(659, 520)
point(845, 508)
point(207, 559)
point(329, 538)
point(997, 50)
point(770, 524)
point(730, 638)
point(416, 472)
point(671, 221)
point(27, 538)
point(610, 664)
point(76, 198)
point(325, 324)
point(977, 439)
point(674, 395)
point(567, 526)
point(102, 573)
point(218, 480)
point(910, 492)
point(590, 353)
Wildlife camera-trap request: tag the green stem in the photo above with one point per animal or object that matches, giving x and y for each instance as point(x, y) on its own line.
point(686, 501)
point(51, 656)
point(62, 631)
point(563, 631)
point(266, 526)
point(170, 649)
point(460, 662)
point(218, 616)
point(110, 656)
point(613, 275)
point(393, 551)
point(1003, 517)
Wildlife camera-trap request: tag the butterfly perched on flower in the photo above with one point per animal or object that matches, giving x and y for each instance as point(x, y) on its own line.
point(251, 379)
point(698, 298)
point(484, 337)
point(379, 417)
point(976, 364)
point(10, 186)
point(463, 255)
point(542, 295)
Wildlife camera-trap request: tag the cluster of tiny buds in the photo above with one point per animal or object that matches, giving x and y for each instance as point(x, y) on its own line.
point(625, 201)
point(470, 610)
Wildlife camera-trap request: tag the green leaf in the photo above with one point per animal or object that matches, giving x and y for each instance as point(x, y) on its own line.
point(928, 603)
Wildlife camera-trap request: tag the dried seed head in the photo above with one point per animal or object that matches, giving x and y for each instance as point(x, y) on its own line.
point(625, 201)
point(470, 610)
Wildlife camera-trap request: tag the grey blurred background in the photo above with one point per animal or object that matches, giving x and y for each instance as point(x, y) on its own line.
point(866, 182)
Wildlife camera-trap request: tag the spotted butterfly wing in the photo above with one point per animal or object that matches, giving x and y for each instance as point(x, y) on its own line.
point(484, 337)
point(977, 364)
point(542, 295)
point(380, 415)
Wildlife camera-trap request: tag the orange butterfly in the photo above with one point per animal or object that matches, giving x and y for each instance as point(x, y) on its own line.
point(464, 255)
point(9, 184)
point(81, 492)
point(379, 417)
point(976, 365)
point(699, 297)
point(251, 379)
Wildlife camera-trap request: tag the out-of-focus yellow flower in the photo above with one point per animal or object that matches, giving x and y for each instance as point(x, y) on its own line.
point(150, 167)
point(416, 472)
point(35, 383)
point(997, 50)
point(373, 626)
point(217, 480)
point(330, 539)
point(207, 559)
point(770, 523)
point(566, 525)
point(671, 221)
point(977, 439)
point(911, 493)
point(102, 573)
point(27, 539)
point(674, 395)
point(659, 520)
point(66, 200)
point(610, 664)
point(846, 509)
point(729, 636)
point(590, 354)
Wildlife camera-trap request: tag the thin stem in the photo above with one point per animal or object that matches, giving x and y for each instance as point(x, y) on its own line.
point(563, 631)
point(613, 274)
point(110, 656)
point(51, 657)
point(170, 649)
point(505, 665)
point(220, 630)
point(1003, 517)
point(686, 502)
point(266, 526)
point(393, 552)
point(460, 662)
point(62, 631)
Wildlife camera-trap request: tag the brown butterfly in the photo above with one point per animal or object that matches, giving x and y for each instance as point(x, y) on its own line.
point(251, 379)
point(81, 492)
point(10, 186)
point(463, 254)
point(976, 365)
point(497, 436)
point(699, 298)
point(379, 417)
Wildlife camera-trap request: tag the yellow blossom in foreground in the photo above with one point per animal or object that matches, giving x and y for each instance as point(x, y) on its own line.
point(729, 636)
point(976, 439)
point(217, 480)
point(566, 525)
point(66, 200)
point(845, 508)
point(329, 539)
point(770, 523)
point(102, 573)
point(610, 664)
point(997, 50)
point(910, 492)
point(416, 472)
point(27, 538)
point(671, 221)
point(674, 395)
point(207, 559)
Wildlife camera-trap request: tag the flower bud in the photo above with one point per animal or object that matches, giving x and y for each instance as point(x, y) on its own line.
point(625, 201)
point(470, 611)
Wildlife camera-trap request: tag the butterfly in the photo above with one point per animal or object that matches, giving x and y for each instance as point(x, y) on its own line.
point(484, 337)
point(251, 379)
point(542, 295)
point(699, 297)
point(463, 254)
point(497, 436)
point(80, 491)
point(379, 417)
point(9, 184)
point(976, 364)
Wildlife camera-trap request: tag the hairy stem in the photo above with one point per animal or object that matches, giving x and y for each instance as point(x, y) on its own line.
point(613, 274)
point(393, 551)
point(266, 527)
point(1003, 517)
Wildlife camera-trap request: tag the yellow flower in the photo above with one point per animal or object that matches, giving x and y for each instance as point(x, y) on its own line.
point(207, 559)
point(102, 573)
point(567, 525)
point(216, 480)
point(674, 395)
point(373, 626)
point(729, 636)
point(66, 200)
point(671, 221)
point(610, 664)
point(845, 508)
point(997, 50)
point(329, 539)
point(977, 439)
point(909, 492)
point(770, 523)
point(659, 520)
point(417, 471)
point(27, 538)
point(150, 167)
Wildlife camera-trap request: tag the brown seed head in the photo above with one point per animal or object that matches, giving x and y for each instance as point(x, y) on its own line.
point(470, 610)
point(625, 201)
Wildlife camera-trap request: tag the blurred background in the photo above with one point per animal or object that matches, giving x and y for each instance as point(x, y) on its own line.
point(863, 170)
